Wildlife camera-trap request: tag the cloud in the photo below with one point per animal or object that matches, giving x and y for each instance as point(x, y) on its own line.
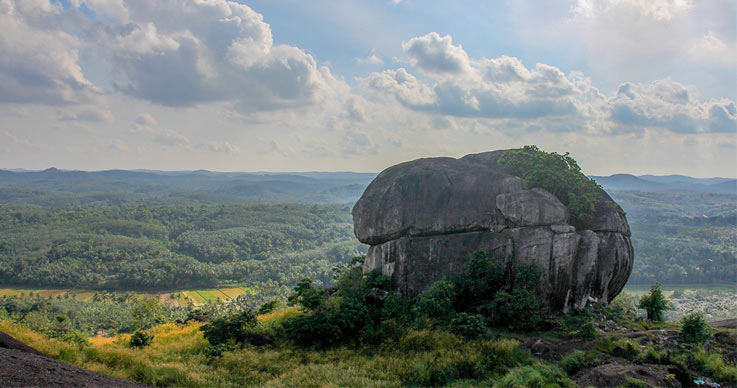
point(642, 40)
point(651, 9)
point(180, 53)
point(39, 61)
point(669, 105)
point(402, 85)
point(13, 139)
point(358, 143)
point(118, 145)
point(542, 97)
point(711, 49)
point(370, 60)
point(493, 88)
point(146, 119)
point(219, 146)
point(170, 138)
point(90, 115)
point(437, 55)
point(173, 53)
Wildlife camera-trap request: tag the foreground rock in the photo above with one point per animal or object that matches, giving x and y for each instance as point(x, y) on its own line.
point(424, 219)
point(23, 366)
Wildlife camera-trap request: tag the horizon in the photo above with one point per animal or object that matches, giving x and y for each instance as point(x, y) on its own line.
point(263, 172)
point(644, 87)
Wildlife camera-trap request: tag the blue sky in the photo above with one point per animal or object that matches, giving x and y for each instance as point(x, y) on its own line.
point(624, 85)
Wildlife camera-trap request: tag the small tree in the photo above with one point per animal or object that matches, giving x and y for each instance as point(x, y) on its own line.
point(693, 328)
point(140, 339)
point(654, 303)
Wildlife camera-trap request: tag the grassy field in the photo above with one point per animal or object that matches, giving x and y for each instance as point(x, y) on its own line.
point(178, 357)
point(177, 298)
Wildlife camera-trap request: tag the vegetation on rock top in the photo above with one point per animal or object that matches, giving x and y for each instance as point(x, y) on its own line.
point(557, 173)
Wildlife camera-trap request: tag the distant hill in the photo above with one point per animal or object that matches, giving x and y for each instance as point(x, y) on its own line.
point(668, 183)
point(54, 187)
point(57, 188)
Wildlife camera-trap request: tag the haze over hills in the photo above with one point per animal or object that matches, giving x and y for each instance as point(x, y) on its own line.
point(651, 183)
point(319, 187)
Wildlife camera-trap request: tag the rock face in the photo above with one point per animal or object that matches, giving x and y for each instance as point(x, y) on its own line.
point(424, 219)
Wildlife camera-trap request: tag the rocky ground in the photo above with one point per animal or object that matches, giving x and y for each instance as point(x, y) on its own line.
point(23, 366)
point(617, 371)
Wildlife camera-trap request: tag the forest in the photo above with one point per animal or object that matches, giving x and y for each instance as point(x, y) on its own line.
point(266, 246)
point(125, 230)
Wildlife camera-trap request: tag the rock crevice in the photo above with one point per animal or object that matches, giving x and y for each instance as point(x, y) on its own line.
point(423, 219)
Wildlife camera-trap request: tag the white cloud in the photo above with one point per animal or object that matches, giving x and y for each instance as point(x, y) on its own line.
point(13, 139)
point(710, 49)
point(358, 143)
point(653, 9)
point(372, 59)
point(544, 97)
point(437, 55)
point(180, 53)
point(146, 119)
point(170, 138)
point(118, 145)
point(39, 60)
point(219, 146)
point(90, 115)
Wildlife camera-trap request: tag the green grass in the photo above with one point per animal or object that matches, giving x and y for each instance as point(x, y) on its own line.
point(197, 297)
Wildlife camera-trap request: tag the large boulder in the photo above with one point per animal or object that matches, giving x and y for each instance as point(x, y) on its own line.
point(425, 218)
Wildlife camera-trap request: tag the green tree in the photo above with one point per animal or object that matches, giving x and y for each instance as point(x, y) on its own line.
point(693, 328)
point(556, 173)
point(654, 303)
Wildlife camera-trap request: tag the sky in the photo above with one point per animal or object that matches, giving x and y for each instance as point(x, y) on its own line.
point(625, 86)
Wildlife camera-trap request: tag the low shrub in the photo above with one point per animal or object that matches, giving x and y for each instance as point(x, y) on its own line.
point(518, 310)
point(437, 301)
point(468, 326)
point(500, 355)
point(426, 340)
point(634, 383)
point(577, 360)
point(694, 328)
point(619, 347)
point(711, 364)
point(140, 339)
point(315, 331)
point(231, 329)
point(588, 330)
point(537, 376)
point(269, 307)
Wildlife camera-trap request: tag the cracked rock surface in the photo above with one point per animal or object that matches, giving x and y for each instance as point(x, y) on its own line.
point(424, 218)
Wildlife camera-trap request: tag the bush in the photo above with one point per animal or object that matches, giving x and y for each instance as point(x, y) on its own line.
point(558, 174)
point(517, 310)
point(231, 329)
point(269, 306)
point(619, 347)
point(482, 278)
point(540, 376)
point(468, 326)
point(314, 331)
point(437, 301)
point(588, 330)
point(306, 295)
point(693, 328)
point(577, 360)
point(502, 354)
point(654, 303)
point(426, 340)
point(140, 339)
